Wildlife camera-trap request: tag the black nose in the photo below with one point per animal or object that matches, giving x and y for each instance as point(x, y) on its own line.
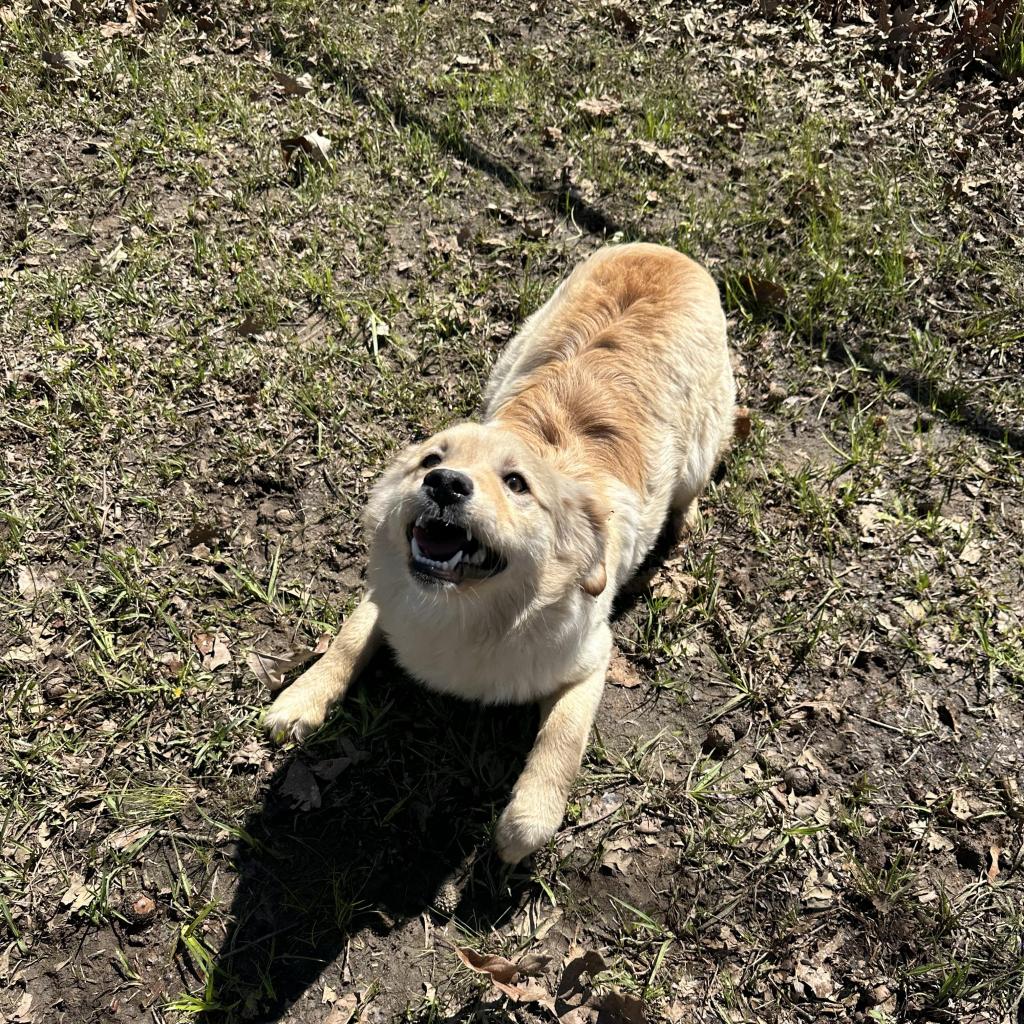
point(448, 486)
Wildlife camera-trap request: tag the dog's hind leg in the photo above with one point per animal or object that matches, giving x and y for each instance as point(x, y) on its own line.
point(538, 799)
point(303, 706)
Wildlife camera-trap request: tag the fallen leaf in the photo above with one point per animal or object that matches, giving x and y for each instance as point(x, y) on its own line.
point(817, 980)
point(301, 787)
point(914, 609)
point(868, 517)
point(598, 107)
point(329, 996)
point(601, 807)
point(214, 650)
point(766, 294)
point(621, 672)
point(172, 664)
point(533, 965)
point(22, 1013)
point(345, 1010)
point(669, 159)
point(972, 553)
point(615, 1007)
point(313, 146)
point(77, 896)
point(66, 60)
point(250, 755)
point(741, 423)
point(271, 669)
point(617, 857)
point(497, 968)
point(34, 582)
point(113, 259)
point(993, 868)
point(503, 973)
point(959, 806)
point(297, 86)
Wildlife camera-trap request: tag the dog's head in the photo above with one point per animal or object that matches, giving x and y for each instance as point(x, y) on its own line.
point(474, 508)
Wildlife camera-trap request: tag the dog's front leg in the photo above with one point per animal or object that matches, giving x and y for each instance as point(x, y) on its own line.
point(538, 799)
point(303, 706)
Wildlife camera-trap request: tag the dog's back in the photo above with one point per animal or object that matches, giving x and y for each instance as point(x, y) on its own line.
point(624, 374)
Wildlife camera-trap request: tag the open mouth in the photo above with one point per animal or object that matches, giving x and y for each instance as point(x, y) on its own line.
point(451, 554)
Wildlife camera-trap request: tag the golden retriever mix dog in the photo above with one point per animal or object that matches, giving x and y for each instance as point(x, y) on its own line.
point(496, 548)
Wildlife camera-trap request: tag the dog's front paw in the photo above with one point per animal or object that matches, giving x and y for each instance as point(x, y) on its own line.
point(294, 715)
point(525, 826)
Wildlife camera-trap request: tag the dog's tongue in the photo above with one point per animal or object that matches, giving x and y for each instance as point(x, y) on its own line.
point(439, 544)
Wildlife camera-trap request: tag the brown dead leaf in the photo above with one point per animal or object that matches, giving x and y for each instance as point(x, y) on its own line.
point(617, 857)
point(78, 895)
point(503, 973)
point(972, 553)
point(993, 866)
point(668, 159)
point(300, 786)
point(598, 107)
point(33, 582)
point(22, 1013)
point(768, 295)
point(68, 61)
point(345, 1010)
point(213, 649)
point(601, 807)
point(113, 259)
point(313, 146)
point(959, 806)
point(621, 672)
point(914, 609)
point(251, 754)
point(814, 979)
point(271, 669)
point(741, 423)
point(615, 1007)
point(497, 968)
point(299, 85)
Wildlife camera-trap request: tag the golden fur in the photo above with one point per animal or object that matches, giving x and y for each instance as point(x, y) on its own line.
point(613, 403)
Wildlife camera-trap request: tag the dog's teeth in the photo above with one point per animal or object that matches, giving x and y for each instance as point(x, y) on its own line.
point(469, 536)
point(453, 561)
point(416, 552)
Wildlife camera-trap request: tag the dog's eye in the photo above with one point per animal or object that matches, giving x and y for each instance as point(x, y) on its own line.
point(431, 460)
point(516, 483)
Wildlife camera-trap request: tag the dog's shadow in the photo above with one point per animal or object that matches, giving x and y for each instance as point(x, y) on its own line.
point(363, 826)
point(360, 829)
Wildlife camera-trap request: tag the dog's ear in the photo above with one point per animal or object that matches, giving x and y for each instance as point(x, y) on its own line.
point(595, 578)
point(593, 513)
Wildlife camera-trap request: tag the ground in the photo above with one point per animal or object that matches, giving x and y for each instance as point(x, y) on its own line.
point(803, 799)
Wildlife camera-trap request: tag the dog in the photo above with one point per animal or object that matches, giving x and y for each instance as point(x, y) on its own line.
point(496, 548)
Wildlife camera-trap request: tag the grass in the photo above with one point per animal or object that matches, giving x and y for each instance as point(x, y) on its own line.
point(208, 354)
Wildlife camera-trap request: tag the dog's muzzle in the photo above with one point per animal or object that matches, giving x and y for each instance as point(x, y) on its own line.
point(443, 549)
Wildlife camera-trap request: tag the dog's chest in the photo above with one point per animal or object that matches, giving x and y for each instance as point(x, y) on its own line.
point(515, 669)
